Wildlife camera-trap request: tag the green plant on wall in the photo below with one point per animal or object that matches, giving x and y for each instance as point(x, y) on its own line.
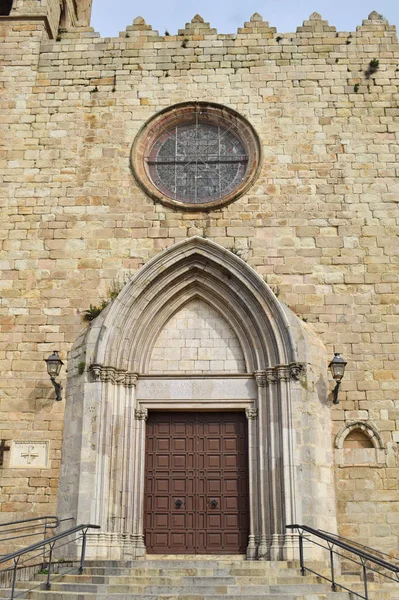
point(116, 285)
point(372, 68)
point(81, 367)
point(93, 311)
point(114, 289)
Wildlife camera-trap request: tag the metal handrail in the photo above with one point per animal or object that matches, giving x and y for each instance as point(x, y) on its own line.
point(362, 559)
point(358, 544)
point(30, 520)
point(50, 542)
point(15, 531)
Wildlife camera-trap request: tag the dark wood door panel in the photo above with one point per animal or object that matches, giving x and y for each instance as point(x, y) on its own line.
point(196, 493)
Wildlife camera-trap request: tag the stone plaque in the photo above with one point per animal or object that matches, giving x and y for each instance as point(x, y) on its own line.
point(29, 455)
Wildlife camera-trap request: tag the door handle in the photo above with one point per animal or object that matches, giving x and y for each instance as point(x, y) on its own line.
point(214, 503)
point(178, 503)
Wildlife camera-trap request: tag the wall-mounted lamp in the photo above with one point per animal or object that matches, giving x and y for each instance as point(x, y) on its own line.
point(337, 368)
point(54, 364)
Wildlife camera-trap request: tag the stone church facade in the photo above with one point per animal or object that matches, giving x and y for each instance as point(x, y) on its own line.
point(231, 203)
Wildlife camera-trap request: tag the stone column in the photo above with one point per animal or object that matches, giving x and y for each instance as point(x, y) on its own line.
point(282, 464)
point(276, 484)
point(252, 415)
point(284, 378)
point(263, 470)
point(137, 498)
point(129, 426)
point(287, 376)
point(104, 445)
point(117, 458)
point(275, 451)
point(112, 493)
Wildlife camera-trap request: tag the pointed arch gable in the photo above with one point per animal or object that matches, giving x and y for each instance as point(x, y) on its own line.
point(196, 266)
point(212, 341)
point(189, 293)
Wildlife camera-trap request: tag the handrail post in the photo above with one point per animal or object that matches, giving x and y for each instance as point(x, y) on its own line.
point(333, 586)
point(44, 547)
point(50, 558)
point(301, 560)
point(83, 553)
point(14, 577)
point(366, 592)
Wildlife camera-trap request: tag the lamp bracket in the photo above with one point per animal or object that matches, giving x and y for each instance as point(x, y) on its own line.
point(58, 389)
point(335, 392)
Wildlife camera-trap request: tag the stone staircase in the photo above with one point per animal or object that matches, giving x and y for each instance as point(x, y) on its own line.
point(192, 578)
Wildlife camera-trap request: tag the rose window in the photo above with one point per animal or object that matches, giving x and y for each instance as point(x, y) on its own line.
point(197, 163)
point(196, 156)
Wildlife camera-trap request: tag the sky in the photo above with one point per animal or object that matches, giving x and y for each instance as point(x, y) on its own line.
point(227, 15)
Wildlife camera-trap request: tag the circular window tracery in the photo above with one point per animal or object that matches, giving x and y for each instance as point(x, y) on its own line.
point(196, 155)
point(197, 162)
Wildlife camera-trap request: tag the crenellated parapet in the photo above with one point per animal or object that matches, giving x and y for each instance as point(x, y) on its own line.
point(315, 25)
point(315, 52)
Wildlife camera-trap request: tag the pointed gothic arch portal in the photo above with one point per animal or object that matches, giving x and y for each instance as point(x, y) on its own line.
point(251, 354)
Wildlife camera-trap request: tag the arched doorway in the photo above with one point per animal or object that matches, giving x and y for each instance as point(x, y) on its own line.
point(262, 362)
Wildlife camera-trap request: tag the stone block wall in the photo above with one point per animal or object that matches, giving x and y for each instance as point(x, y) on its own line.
point(319, 225)
point(197, 339)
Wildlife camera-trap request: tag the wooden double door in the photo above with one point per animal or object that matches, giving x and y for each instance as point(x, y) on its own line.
point(196, 483)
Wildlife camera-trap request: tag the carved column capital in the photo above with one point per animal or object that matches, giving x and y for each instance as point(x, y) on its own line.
point(251, 413)
point(271, 375)
point(141, 414)
point(95, 370)
point(130, 379)
point(113, 375)
point(260, 378)
point(279, 373)
point(296, 370)
point(282, 373)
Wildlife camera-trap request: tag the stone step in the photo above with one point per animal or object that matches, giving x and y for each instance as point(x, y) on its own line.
point(189, 596)
point(112, 582)
point(197, 557)
point(196, 579)
point(150, 572)
point(174, 573)
point(162, 580)
point(196, 587)
point(231, 590)
point(308, 591)
point(202, 561)
point(5, 594)
point(291, 573)
point(245, 569)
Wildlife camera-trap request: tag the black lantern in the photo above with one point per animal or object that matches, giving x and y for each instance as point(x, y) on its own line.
point(337, 368)
point(54, 364)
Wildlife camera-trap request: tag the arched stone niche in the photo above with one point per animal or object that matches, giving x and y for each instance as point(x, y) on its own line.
point(282, 388)
point(351, 455)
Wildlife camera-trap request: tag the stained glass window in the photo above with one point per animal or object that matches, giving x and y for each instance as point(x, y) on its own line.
point(196, 156)
point(198, 162)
